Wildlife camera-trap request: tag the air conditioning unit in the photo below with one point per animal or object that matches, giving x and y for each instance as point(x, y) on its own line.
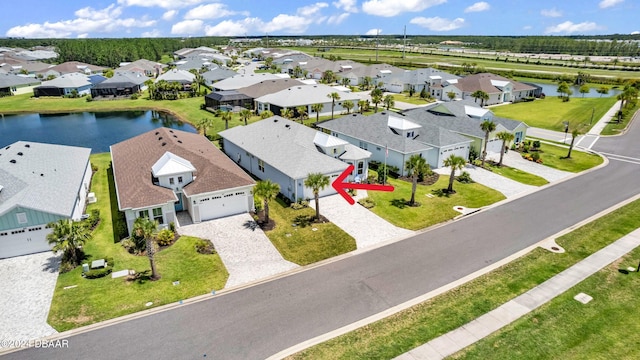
point(91, 198)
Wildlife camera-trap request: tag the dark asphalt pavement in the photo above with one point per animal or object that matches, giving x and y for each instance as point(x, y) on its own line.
point(262, 320)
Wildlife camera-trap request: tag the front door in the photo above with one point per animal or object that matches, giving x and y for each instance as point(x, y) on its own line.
point(178, 205)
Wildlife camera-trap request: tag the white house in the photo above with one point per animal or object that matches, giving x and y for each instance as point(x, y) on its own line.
point(287, 152)
point(39, 183)
point(499, 89)
point(306, 95)
point(164, 171)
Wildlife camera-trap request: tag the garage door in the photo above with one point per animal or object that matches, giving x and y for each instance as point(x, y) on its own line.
point(24, 241)
point(223, 205)
point(494, 145)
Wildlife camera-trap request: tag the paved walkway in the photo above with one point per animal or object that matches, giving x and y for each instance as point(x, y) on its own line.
point(27, 284)
point(247, 254)
point(515, 160)
point(367, 228)
point(506, 186)
point(509, 312)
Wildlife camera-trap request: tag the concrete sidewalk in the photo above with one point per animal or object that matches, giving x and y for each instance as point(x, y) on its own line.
point(458, 339)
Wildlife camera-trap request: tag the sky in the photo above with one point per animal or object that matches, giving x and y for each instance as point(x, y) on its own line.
point(184, 18)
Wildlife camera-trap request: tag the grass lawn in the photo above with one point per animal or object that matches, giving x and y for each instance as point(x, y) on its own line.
point(433, 210)
point(105, 298)
point(603, 329)
point(300, 244)
point(549, 113)
point(614, 128)
point(518, 175)
point(554, 156)
point(415, 99)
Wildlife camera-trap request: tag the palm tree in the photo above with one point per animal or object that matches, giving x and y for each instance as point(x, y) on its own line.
point(362, 105)
point(266, 114)
point(286, 113)
point(376, 97)
point(487, 126)
point(147, 229)
point(267, 191)
point(316, 108)
point(345, 81)
point(456, 163)
point(389, 101)
point(479, 94)
point(297, 71)
point(302, 112)
point(227, 116)
point(348, 104)
point(68, 236)
point(366, 83)
point(317, 182)
point(574, 134)
point(203, 124)
point(334, 96)
point(415, 166)
point(245, 114)
point(506, 137)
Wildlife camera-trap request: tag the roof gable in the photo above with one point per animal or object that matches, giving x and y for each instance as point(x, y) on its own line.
point(171, 164)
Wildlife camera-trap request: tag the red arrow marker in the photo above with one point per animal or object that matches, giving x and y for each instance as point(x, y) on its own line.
point(340, 186)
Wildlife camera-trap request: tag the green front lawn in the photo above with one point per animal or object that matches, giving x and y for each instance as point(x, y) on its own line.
point(301, 244)
point(517, 175)
point(555, 157)
point(550, 113)
point(433, 210)
point(105, 298)
point(415, 99)
point(616, 128)
point(605, 328)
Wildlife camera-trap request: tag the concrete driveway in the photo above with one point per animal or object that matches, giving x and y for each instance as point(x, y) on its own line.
point(367, 228)
point(248, 254)
point(506, 186)
point(26, 289)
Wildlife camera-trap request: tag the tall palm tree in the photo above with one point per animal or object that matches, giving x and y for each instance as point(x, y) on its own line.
point(245, 114)
point(345, 81)
point(334, 96)
point(348, 104)
point(487, 126)
point(389, 101)
point(226, 116)
point(376, 97)
point(147, 229)
point(415, 166)
point(203, 125)
point(317, 182)
point(479, 94)
point(68, 237)
point(506, 137)
point(286, 113)
point(366, 83)
point(574, 134)
point(302, 112)
point(316, 108)
point(267, 191)
point(362, 105)
point(456, 163)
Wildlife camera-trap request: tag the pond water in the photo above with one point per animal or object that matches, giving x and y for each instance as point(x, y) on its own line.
point(550, 90)
point(95, 130)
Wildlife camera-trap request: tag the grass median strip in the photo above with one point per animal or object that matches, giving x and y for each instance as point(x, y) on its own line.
point(399, 333)
point(518, 175)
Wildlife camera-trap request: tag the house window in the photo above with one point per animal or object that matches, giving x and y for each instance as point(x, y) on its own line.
point(261, 165)
point(157, 215)
point(360, 167)
point(143, 213)
point(22, 218)
point(171, 181)
point(179, 179)
point(363, 145)
point(410, 134)
point(335, 151)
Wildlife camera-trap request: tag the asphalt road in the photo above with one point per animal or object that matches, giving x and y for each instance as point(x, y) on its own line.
point(262, 320)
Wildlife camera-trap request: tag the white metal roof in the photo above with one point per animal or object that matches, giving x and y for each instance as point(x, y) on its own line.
point(171, 164)
point(475, 111)
point(326, 140)
point(401, 124)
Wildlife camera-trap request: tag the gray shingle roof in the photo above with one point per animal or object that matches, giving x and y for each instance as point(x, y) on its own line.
point(285, 145)
point(71, 80)
point(10, 80)
point(305, 95)
point(45, 177)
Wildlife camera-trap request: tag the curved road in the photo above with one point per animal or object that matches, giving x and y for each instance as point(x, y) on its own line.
point(262, 320)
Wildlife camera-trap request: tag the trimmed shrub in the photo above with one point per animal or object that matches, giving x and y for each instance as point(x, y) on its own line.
point(94, 219)
point(367, 202)
point(299, 205)
point(165, 237)
point(98, 273)
point(205, 247)
point(465, 178)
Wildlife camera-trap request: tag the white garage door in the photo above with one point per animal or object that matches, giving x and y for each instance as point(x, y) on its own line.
point(494, 146)
point(223, 205)
point(25, 241)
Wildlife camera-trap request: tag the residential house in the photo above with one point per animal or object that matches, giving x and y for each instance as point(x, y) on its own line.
point(68, 84)
point(464, 117)
point(240, 81)
point(182, 77)
point(286, 152)
point(145, 67)
point(245, 97)
point(378, 73)
point(165, 171)
point(123, 83)
point(11, 84)
point(393, 138)
point(499, 89)
point(72, 67)
point(39, 183)
point(216, 74)
point(306, 95)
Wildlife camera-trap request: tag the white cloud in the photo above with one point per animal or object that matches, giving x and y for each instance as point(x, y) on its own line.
point(346, 5)
point(569, 27)
point(166, 4)
point(337, 19)
point(438, 23)
point(527, 27)
point(233, 28)
point(83, 36)
point(374, 32)
point(478, 7)
point(169, 15)
point(151, 34)
point(288, 23)
point(635, 33)
point(311, 10)
point(553, 12)
point(187, 27)
point(209, 11)
point(609, 3)
point(88, 21)
point(390, 8)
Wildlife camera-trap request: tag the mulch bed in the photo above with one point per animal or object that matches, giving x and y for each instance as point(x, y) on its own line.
point(428, 180)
